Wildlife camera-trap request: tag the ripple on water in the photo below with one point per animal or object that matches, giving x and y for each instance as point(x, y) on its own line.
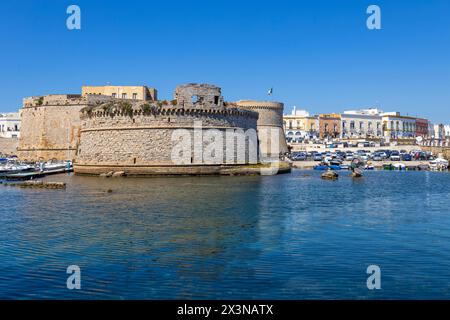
point(289, 236)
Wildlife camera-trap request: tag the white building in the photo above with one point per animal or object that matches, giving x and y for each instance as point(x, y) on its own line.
point(447, 131)
point(300, 126)
point(396, 126)
point(10, 125)
point(439, 131)
point(365, 123)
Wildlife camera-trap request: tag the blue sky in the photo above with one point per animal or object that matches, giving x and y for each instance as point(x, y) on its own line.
point(316, 54)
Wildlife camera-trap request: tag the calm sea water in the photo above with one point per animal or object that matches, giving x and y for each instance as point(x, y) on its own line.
point(284, 237)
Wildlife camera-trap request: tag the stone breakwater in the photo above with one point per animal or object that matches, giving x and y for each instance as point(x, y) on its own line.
point(37, 185)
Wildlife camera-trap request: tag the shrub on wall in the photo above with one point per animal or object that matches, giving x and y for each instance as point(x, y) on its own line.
point(146, 108)
point(126, 108)
point(40, 101)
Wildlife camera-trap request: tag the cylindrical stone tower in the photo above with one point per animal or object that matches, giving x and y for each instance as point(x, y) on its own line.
point(270, 126)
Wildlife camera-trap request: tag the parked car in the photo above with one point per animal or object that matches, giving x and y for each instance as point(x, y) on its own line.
point(364, 157)
point(317, 157)
point(395, 156)
point(299, 156)
point(383, 155)
point(406, 157)
point(377, 157)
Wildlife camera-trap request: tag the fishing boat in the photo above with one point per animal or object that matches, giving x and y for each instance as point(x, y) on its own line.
point(329, 175)
point(356, 173)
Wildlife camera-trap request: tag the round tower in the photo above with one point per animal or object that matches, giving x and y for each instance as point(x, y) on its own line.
point(269, 126)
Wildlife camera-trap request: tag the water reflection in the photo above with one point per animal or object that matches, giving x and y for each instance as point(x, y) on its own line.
point(289, 236)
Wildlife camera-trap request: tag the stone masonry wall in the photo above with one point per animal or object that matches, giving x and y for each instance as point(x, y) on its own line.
point(50, 127)
point(49, 132)
point(8, 146)
point(270, 126)
point(146, 140)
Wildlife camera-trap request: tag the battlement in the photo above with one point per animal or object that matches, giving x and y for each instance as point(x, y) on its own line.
point(63, 100)
point(130, 109)
point(252, 104)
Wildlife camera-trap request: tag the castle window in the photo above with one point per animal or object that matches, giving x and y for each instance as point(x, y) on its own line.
point(134, 96)
point(124, 95)
point(195, 99)
point(114, 95)
point(216, 100)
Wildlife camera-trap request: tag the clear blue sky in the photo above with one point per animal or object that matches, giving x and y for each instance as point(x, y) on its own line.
point(316, 54)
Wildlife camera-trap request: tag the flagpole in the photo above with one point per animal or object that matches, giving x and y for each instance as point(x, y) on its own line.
point(270, 94)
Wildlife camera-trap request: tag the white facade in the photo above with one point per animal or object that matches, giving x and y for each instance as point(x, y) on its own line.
point(447, 131)
point(300, 126)
point(439, 131)
point(396, 126)
point(366, 123)
point(10, 125)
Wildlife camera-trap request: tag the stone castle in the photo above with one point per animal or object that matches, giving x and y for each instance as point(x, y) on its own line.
point(108, 131)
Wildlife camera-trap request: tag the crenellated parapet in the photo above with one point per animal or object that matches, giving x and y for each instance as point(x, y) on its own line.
point(129, 109)
point(63, 100)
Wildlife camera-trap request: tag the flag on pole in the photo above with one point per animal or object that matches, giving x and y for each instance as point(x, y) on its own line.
point(270, 92)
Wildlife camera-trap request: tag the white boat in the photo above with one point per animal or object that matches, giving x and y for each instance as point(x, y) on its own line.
point(52, 165)
point(10, 167)
point(399, 166)
point(439, 164)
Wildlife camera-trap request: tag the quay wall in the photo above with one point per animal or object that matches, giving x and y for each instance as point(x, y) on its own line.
point(445, 151)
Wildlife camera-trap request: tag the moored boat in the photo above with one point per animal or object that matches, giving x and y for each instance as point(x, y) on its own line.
point(399, 166)
point(439, 164)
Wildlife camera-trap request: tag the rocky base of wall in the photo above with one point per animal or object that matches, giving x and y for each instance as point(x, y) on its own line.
point(192, 170)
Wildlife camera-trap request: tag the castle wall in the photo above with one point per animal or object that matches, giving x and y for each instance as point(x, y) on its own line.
point(8, 146)
point(142, 143)
point(51, 127)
